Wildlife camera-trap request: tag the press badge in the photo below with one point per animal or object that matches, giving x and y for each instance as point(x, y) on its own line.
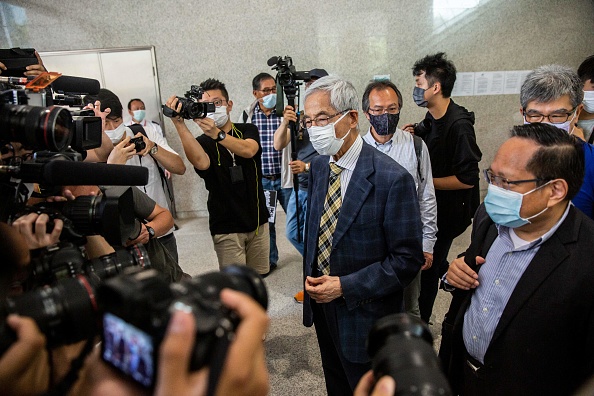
point(236, 173)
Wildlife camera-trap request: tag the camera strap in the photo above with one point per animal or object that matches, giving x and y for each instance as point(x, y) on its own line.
point(217, 363)
point(64, 386)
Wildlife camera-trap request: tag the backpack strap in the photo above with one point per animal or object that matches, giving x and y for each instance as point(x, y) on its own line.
point(418, 143)
point(245, 116)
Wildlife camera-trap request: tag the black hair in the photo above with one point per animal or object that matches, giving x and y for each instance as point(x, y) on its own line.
point(586, 69)
point(257, 81)
point(560, 155)
point(134, 100)
point(110, 100)
point(212, 84)
point(379, 85)
point(437, 69)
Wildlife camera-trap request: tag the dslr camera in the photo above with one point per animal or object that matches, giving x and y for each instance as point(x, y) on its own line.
point(137, 307)
point(401, 346)
point(191, 108)
point(66, 311)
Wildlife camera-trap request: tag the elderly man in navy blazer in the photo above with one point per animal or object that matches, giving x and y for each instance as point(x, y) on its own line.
point(363, 234)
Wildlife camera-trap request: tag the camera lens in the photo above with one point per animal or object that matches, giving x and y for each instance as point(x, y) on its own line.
point(41, 128)
point(401, 346)
point(65, 313)
point(113, 264)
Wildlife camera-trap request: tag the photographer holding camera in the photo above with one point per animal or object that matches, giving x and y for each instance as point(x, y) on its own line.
point(228, 157)
point(152, 152)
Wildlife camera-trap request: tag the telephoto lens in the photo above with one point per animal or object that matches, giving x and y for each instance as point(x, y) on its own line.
point(65, 312)
point(39, 128)
point(401, 346)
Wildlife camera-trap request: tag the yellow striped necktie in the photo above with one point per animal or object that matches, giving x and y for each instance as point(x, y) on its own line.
point(329, 219)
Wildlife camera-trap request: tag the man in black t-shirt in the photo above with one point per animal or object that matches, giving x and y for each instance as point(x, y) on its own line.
point(228, 157)
point(450, 138)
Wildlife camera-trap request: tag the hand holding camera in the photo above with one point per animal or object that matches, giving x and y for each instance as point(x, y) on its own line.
point(33, 227)
point(122, 152)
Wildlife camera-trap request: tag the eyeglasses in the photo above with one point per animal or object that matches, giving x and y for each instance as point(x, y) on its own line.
point(505, 183)
point(380, 111)
point(268, 91)
point(555, 118)
point(218, 102)
point(321, 121)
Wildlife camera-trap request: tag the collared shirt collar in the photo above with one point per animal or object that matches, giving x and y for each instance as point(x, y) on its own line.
point(349, 159)
point(502, 230)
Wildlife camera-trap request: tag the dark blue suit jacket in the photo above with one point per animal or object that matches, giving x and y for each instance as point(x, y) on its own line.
point(377, 246)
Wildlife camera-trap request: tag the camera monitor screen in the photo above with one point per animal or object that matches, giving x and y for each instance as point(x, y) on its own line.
point(128, 349)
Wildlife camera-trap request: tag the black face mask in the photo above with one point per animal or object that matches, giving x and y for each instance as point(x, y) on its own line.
point(384, 124)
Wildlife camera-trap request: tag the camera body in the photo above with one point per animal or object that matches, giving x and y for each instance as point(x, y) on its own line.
point(401, 346)
point(137, 307)
point(62, 301)
point(138, 143)
point(423, 128)
point(191, 108)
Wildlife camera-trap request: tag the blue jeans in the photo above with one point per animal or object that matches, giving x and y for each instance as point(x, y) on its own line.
point(291, 230)
point(282, 195)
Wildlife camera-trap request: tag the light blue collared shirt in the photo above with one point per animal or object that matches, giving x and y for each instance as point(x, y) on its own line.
point(504, 266)
point(348, 162)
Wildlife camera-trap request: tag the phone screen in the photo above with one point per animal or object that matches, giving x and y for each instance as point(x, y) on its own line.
point(128, 349)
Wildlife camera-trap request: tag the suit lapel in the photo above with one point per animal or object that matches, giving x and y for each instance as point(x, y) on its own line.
point(550, 255)
point(316, 208)
point(357, 192)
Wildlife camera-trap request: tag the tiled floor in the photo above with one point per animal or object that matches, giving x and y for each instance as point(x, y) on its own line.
point(292, 350)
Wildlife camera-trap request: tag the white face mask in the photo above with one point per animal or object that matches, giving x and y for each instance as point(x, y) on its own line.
point(324, 140)
point(116, 134)
point(589, 101)
point(220, 116)
point(587, 126)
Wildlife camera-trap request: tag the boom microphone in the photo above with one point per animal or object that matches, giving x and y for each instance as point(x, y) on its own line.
point(71, 173)
point(76, 85)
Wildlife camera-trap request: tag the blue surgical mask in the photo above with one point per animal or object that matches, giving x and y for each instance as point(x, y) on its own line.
point(269, 101)
point(419, 97)
point(139, 115)
point(503, 206)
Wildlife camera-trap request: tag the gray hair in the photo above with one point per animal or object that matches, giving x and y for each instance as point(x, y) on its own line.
point(343, 95)
point(550, 82)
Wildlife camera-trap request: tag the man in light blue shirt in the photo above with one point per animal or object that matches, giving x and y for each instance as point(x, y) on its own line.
point(382, 102)
point(521, 321)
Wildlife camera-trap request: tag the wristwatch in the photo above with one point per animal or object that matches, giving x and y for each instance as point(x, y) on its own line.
point(220, 136)
point(154, 149)
point(151, 231)
point(307, 166)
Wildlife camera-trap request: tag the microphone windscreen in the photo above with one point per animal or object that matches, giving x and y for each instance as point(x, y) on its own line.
point(273, 61)
point(77, 85)
point(69, 173)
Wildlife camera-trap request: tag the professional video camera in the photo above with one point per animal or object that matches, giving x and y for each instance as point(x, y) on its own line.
point(401, 346)
point(66, 312)
point(110, 215)
point(287, 81)
point(191, 106)
point(48, 128)
point(137, 308)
